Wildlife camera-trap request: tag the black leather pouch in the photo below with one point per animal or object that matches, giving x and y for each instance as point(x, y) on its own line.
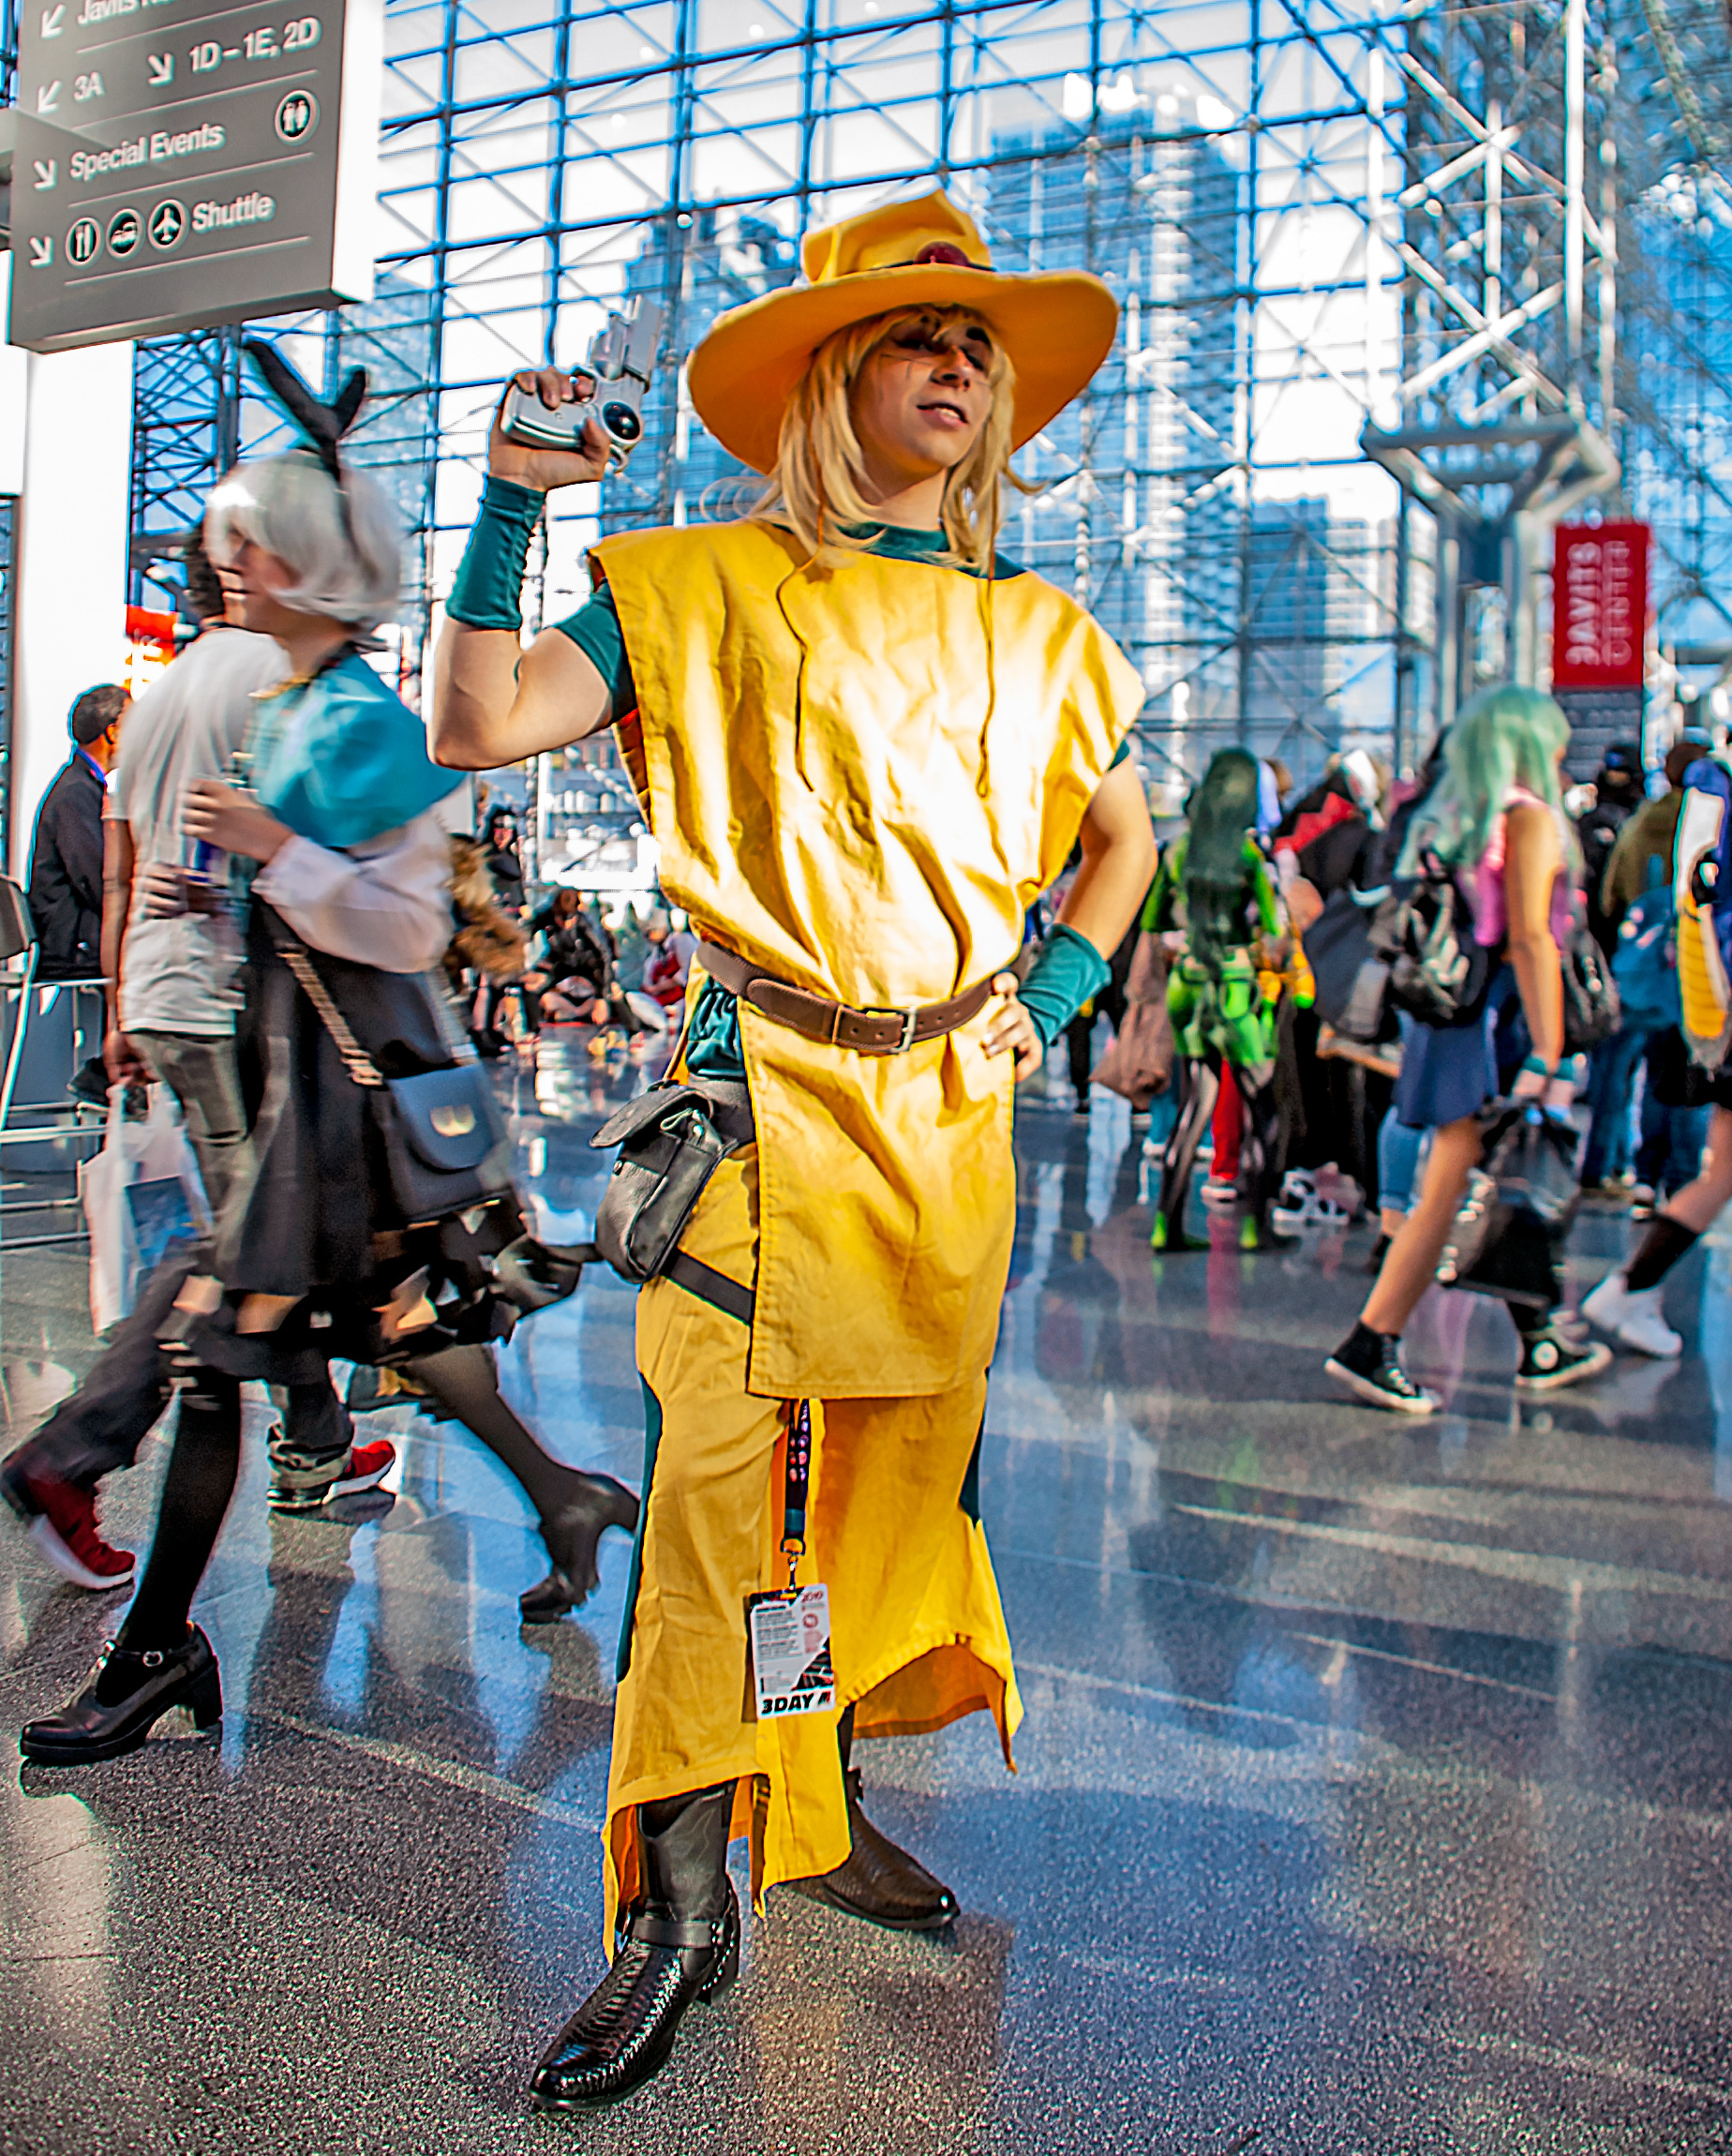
point(671, 1140)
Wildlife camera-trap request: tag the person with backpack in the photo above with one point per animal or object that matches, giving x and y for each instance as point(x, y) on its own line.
point(1493, 843)
point(1627, 1303)
point(1634, 905)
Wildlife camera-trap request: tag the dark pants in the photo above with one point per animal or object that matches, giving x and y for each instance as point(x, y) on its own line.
point(101, 1426)
point(1080, 1034)
point(310, 1445)
point(1611, 1088)
point(1673, 1133)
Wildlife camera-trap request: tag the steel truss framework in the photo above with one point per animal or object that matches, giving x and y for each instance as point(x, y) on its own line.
point(1309, 212)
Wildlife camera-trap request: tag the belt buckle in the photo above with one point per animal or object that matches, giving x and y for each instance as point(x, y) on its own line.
point(907, 1020)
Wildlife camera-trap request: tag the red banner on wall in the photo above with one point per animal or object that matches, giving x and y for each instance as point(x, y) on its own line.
point(1599, 606)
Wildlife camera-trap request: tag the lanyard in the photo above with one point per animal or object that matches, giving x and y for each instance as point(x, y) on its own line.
point(796, 1478)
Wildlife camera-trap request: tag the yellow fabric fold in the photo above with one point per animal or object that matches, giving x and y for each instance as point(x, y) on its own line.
point(918, 1635)
point(951, 735)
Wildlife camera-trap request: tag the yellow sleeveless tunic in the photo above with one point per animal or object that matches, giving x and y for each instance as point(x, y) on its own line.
point(859, 776)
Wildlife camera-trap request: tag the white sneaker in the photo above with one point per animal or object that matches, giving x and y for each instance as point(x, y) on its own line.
point(1633, 1318)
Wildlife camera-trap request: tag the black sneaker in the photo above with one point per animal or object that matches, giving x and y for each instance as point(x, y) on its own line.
point(89, 1085)
point(1369, 1364)
point(1549, 1361)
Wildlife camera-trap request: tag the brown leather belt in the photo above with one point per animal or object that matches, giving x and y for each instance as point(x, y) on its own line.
point(867, 1032)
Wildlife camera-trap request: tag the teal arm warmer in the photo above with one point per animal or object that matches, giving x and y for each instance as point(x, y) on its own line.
point(488, 590)
point(1061, 981)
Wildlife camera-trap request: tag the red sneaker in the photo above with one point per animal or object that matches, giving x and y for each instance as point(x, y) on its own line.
point(64, 1530)
point(366, 1467)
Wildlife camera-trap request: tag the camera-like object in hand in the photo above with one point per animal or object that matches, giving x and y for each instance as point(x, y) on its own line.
point(622, 360)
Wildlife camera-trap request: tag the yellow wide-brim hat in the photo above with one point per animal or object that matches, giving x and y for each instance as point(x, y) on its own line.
point(1055, 327)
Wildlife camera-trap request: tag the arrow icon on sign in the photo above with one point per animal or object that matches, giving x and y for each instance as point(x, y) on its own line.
point(47, 173)
point(161, 68)
point(41, 254)
point(47, 98)
point(54, 22)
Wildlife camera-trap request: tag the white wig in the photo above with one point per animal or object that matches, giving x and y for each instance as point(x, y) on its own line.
point(349, 567)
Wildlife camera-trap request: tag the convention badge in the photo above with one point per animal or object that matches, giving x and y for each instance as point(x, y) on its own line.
point(791, 1652)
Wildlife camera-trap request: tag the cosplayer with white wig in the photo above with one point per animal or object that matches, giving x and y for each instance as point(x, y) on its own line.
point(376, 1220)
point(342, 547)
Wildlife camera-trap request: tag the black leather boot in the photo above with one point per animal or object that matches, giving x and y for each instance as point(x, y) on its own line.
point(571, 1536)
point(104, 1721)
point(877, 1880)
point(679, 1943)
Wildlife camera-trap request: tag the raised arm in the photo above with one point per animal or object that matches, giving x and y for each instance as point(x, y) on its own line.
point(494, 702)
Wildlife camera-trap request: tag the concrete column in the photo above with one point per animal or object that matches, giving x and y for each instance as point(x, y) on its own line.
point(73, 460)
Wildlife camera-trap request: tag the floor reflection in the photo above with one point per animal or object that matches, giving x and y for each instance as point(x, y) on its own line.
point(1372, 1799)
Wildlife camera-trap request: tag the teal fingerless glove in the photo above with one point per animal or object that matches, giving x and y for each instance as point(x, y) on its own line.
point(1061, 981)
point(489, 590)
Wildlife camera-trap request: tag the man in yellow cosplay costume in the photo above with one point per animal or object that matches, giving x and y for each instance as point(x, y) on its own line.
point(864, 742)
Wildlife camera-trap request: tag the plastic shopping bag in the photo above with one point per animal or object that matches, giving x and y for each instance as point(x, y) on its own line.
point(140, 1194)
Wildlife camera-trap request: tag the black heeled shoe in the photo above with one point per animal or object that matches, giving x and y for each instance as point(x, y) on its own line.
point(877, 1880)
point(86, 1729)
point(572, 1536)
point(665, 1959)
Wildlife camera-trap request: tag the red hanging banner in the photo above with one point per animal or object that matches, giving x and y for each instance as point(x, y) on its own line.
point(1599, 606)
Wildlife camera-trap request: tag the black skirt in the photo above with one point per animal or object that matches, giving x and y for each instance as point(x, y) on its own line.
point(315, 1228)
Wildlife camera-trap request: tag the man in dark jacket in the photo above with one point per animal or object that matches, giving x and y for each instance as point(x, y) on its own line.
point(1617, 794)
point(65, 858)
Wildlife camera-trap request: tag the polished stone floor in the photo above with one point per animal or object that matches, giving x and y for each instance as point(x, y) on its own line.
point(1373, 1798)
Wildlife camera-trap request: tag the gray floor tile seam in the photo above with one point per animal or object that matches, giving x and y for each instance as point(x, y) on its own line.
point(1537, 1616)
point(472, 1781)
point(1570, 2062)
point(1263, 1598)
point(1563, 1574)
point(1065, 1748)
point(1473, 1499)
point(1139, 1406)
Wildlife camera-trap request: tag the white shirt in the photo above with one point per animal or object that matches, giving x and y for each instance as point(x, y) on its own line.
point(177, 976)
point(384, 904)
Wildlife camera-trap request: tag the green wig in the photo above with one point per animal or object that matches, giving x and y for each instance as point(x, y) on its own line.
point(1505, 737)
point(1223, 818)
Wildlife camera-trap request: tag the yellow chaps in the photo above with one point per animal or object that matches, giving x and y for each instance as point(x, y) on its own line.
point(918, 1633)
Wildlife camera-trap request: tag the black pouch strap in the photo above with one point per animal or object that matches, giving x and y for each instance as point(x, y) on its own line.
point(711, 1287)
point(687, 1272)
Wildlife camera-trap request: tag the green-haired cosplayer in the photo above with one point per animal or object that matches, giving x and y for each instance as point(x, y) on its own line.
point(1216, 887)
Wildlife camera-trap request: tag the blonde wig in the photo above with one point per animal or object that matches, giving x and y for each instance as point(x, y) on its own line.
point(816, 491)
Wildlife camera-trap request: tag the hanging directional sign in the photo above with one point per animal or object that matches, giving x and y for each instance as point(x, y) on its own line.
point(181, 163)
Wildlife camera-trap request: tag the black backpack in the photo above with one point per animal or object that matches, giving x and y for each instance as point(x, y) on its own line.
point(1424, 931)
